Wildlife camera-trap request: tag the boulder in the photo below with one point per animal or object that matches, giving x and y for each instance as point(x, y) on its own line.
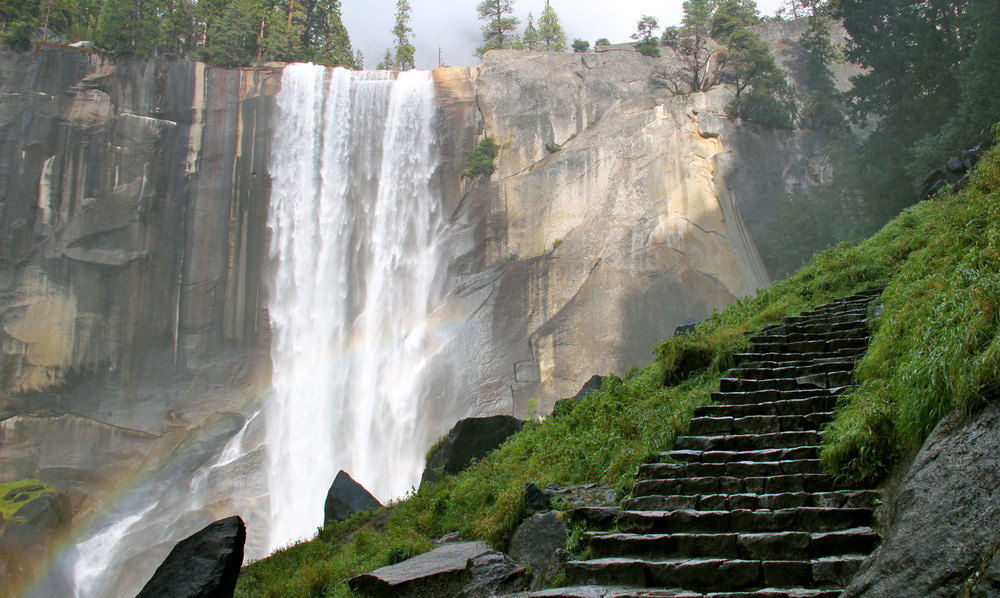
point(536, 499)
point(466, 570)
point(471, 438)
point(956, 165)
point(943, 524)
point(203, 565)
point(588, 387)
point(933, 183)
point(347, 497)
point(539, 544)
point(687, 326)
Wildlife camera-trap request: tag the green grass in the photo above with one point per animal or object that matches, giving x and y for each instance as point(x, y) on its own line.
point(9, 507)
point(934, 349)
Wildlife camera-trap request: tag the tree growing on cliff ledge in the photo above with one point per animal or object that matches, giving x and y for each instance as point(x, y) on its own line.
point(530, 37)
point(498, 32)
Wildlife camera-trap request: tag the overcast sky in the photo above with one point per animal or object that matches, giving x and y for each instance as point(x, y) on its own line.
point(453, 25)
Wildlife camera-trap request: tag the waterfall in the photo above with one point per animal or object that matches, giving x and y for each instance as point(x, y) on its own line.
point(357, 346)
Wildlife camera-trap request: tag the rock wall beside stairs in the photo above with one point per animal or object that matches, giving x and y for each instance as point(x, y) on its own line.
point(943, 535)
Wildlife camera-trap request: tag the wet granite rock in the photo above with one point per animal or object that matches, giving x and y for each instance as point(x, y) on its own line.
point(347, 497)
point(471, 438)
point(203, 565)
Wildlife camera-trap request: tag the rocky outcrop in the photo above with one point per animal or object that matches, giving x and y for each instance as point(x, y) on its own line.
point(458, 570)
point(539, 544)
point(204, 565)
point(347, 497)
point(943, 531)
point(618, 211)
point(470, 439)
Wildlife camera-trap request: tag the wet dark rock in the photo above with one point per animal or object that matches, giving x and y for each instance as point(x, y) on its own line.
point(535, 499)
point(347, 497)
point(467, 570)
point(203, 565)
point(956, 165)
point(937, 181)
point(589, 386)
point(50, 511)
point(22, 492)
point(471, 438)
point(944, 521)
point(539, 544)
point(688, 326)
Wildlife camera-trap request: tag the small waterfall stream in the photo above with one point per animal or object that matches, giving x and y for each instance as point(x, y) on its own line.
point(359, 273)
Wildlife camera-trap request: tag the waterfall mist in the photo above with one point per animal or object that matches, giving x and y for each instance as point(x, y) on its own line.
point(358, 340)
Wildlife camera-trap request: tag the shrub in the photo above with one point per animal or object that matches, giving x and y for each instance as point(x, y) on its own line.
point(482, 159)
point(648, 49)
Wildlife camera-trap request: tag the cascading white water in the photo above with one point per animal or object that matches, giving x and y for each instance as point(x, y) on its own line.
point(355, 239)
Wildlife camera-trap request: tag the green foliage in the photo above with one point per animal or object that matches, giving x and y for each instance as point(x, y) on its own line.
point(7, 506)
point(580, 45)
point(602, 42)
point(550, 31)
point(648, 50)
point(937, 345)
point(500, 24)
point(761, 92)
point(821, 107)
point(645, 30)
point(405, 52)
point(128, 27)
point(530, 40)
point(914, 53)
point(482, 159)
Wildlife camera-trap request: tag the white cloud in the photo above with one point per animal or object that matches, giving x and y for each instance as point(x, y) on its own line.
point(453, 26)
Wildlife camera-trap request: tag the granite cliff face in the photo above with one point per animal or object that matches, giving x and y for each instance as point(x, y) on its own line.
point(618, 210)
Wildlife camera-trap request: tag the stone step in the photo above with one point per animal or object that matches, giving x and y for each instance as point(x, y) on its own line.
point(791, 371)
point(778, 454)
point(747, 442)
point(752, 397)
point(758, 424)
point(851, 317)
point(594, 517)
point(735, 469)
point(745, 384)
point(807, 406)
point(843, 499)
point(773, 336)
point(712, 574)
point(830, 347)
point(808, 327)
point(623, 592)
point(806, 482)
point(784, 545)
point(787, 358)
point(808, 519)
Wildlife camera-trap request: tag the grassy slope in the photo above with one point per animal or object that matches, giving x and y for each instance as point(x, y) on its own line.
point(935, 348)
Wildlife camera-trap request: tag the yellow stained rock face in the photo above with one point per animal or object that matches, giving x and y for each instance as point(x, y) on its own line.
point(43, 324)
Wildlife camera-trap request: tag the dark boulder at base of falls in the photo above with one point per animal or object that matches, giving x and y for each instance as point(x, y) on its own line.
point(943, 525)
point(28, 536)
point(471, 438)
point(347, 497)
point(458, 570)
point(203, 565)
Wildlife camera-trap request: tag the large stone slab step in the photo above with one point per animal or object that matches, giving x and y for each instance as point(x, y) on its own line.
point(712, 574)
point(807, 519)
point(781, 545)
point(753, 397)
point(758, 424)
point(789, 358)
point(736, 469)
point(807, 406)
point(777, 454)
point(846, 499)
point(790, 335)
point(744, 442)
point(777, 370)
point(807, 482)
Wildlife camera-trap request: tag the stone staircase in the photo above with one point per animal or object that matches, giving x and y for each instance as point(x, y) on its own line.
point(741, 507)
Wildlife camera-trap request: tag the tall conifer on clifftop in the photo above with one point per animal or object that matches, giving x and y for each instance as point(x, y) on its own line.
point(405, 52)
point(498, 32)
point(550, 31)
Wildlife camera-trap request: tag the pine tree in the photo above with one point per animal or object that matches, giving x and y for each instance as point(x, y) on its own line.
point(498, 32)
point(530, 38)
point(645, 34)
point(387, 63)
point(401, 32)
point(359, 60)
point(129, 27)
point(550, 32)
point(821, 106)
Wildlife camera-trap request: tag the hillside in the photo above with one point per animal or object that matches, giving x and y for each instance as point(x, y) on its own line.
point(934, 351)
